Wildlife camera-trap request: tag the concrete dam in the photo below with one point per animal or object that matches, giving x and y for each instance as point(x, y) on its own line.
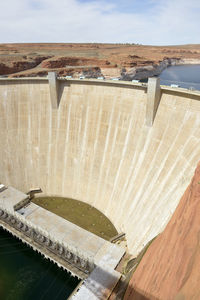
point(126, 148)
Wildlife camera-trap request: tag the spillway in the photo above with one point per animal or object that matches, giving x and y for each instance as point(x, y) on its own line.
point(97, 147)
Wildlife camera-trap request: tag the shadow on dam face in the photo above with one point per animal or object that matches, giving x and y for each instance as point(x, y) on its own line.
point(95, 147)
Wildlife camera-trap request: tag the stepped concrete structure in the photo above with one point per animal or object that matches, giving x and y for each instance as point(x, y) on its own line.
point(72, 248)
point(128, 149)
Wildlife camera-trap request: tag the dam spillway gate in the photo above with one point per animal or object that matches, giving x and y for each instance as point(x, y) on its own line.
point(72, 248)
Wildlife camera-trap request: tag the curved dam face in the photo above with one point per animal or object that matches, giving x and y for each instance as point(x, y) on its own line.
point(96, 147)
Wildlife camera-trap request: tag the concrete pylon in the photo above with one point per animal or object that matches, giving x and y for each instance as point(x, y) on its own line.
point(53, 88)
point(153, 99)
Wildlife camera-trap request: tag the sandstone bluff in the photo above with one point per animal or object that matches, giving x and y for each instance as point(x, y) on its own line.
point(124, 61)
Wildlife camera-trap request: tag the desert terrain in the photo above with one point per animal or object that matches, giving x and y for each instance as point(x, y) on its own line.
point(124, 61)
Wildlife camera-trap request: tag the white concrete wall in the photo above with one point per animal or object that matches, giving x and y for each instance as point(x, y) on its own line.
point(96, 148)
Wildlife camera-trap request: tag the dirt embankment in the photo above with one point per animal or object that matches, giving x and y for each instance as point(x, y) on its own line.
point(62, 62)
point(20, 64)
point(125, 61)
point(170, 268)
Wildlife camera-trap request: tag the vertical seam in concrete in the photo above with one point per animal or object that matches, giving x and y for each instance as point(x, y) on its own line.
point(121, 161)
point(139, 192)
point(173, 188)
point(56, 143)
point(162, 165)
point(78, 183)
point(111, 152)
point(29, 140)
point(66, 147)
point(132, 206)
point(95, 147)
point(172, 169)
point(7, 136)
point(77, 139)
point(49, 147)
point(39, 140)
point(134, 162)
point(105, 149)
point(138, 161)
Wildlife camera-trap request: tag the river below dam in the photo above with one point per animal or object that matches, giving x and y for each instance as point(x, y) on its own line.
point(26, 275)
point(186, 76)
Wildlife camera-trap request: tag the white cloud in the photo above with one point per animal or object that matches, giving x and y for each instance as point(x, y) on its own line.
point(167, 22)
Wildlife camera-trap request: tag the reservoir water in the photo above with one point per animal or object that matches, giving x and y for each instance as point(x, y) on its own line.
point(186, 76)
point(26, 275)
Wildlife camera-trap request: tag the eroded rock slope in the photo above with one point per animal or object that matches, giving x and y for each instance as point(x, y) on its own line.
point(125, 61)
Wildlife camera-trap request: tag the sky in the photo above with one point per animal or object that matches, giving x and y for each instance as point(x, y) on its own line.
point(147, 22)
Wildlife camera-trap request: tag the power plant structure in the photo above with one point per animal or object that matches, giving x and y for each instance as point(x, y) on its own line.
point(128, 149)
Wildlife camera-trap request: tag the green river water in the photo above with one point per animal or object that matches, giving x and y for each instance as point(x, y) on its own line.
point(26, 275)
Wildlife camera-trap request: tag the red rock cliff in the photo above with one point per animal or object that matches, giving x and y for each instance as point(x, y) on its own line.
point(170, 268)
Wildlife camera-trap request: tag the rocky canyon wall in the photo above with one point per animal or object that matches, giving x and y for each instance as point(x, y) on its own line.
point(170, 268)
